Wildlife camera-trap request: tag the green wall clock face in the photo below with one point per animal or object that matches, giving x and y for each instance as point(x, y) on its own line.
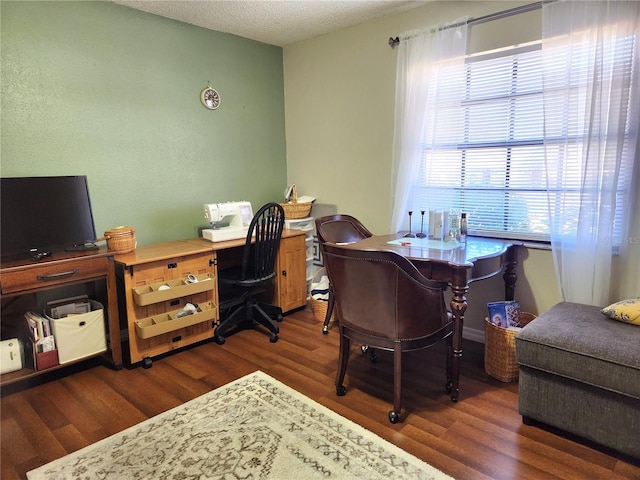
point(210, 98)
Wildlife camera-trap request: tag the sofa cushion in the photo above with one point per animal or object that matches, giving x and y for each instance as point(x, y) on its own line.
point(575, 341)
point(624, 310)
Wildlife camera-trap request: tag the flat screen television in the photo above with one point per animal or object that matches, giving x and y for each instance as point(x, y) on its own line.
point(40, 216)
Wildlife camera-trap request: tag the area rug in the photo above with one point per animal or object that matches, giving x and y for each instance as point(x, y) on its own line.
point(253, 428)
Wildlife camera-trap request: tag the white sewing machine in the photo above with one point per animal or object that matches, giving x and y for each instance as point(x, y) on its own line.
point(229, 220)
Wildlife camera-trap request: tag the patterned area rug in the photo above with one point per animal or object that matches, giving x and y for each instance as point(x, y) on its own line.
point(253, 428)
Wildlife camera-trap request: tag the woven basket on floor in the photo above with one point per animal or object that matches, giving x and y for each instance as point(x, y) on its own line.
point(500, 349)
point(319, 307)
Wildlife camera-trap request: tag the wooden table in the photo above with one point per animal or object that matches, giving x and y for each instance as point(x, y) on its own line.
point(458, 264)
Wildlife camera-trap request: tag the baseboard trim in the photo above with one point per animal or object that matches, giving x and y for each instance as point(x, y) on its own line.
point(473, 334)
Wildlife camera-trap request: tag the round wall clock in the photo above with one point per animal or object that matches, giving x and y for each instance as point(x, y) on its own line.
point(210, 98)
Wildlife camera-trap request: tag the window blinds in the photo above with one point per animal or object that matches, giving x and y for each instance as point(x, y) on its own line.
point(484, 141)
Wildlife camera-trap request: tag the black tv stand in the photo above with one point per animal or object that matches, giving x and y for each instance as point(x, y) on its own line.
point(82, 247)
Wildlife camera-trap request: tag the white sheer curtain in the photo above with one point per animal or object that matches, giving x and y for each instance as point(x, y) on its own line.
point(417, 80)
point(590, 71)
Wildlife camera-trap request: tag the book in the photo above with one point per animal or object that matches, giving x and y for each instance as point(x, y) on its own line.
point(46, 344)
point(35, 324)
point(68, 306)
point(504, 314)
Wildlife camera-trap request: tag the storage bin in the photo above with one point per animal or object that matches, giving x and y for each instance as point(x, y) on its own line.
point(164, 291)
point(80, 336)
point(304, 223)
point(500, 349)
point(319, 307)
point(169, 322)
point(45, 360)
point(309, 247)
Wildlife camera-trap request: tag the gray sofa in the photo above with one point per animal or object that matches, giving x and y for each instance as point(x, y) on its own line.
point(580, 372)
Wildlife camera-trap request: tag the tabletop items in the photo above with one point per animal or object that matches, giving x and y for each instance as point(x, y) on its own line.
point(441, 225)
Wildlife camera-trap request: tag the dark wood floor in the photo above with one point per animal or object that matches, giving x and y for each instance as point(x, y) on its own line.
point(480, 437)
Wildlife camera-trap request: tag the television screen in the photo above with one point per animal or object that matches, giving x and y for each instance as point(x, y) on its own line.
point(42, 215)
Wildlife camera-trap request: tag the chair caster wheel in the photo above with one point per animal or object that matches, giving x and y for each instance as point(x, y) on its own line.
point(449, 387)
point(394, 416)
point(279, 318)
point(273, 338)
point(219, 340)
point(147, 362)
point(325, 330)
point(341, 391)
point(454, 398)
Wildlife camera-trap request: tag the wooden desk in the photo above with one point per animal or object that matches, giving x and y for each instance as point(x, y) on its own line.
point(25, 283)
point(458, 265)
point(152, 325)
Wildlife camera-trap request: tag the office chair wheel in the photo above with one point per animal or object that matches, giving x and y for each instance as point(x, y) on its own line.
point(273, 338)
point(147, 362)
point(341, 391)
point(279, 317)
point(449, 387)
point(219, 340)
point(394, 416)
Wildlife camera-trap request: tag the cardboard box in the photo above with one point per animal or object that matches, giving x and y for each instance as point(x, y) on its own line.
point(80, 336)
point(45, 360)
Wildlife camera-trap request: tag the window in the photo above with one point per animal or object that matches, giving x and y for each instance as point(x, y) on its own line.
point(484, 143)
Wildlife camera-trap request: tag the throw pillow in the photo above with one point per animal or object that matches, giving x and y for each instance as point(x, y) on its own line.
point(625, 310)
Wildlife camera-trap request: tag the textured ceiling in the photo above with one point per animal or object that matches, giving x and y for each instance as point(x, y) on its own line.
point(276, 22)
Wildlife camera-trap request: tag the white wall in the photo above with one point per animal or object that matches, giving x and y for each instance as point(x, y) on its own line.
point(339, 108)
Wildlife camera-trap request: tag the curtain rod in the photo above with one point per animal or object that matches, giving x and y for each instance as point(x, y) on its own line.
point(395, 41)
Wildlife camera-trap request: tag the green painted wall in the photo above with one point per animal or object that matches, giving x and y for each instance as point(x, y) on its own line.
point(99, 89)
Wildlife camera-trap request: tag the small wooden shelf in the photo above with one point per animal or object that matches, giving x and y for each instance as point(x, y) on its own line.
point(150, 294)
point(169, 322)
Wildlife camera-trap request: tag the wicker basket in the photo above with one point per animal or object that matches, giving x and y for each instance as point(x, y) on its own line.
point(295, 210)
point(500, 349)
point(121, 239)
point(319, 307)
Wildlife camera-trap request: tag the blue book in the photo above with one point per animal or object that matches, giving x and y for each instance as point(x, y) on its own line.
point(504, 314)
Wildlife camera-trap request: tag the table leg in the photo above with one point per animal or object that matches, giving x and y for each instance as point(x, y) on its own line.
point(458, 308)
point(510, 277)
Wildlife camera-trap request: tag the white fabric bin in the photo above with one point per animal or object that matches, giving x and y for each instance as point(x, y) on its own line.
point(79, 336)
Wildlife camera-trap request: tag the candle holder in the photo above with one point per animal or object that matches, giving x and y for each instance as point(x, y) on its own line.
point(421, 234)
point(410, 235)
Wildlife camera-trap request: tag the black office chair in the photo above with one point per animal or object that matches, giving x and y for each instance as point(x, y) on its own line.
point(252, 277)
point(338, 229)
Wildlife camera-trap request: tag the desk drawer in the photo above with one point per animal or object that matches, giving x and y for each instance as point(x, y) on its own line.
point(51, 274)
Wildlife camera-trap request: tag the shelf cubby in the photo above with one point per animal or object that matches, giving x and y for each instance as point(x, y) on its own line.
point(169, 322)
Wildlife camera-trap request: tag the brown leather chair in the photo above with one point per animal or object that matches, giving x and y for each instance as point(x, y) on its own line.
point(338, 229)
point(384, 302)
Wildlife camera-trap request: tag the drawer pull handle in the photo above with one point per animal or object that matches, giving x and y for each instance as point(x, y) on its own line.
point(56, 276)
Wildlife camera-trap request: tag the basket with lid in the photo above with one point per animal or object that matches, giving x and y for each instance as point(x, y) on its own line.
point(121, 239)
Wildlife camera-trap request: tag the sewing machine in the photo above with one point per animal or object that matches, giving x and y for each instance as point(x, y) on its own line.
point(229, 220)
